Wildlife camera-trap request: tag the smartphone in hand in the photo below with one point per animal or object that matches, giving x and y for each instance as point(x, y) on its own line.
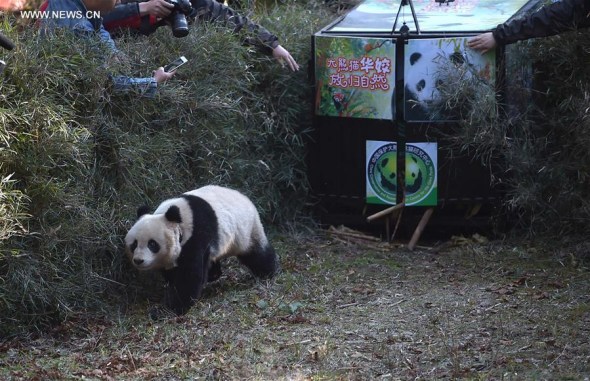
point(175, 64)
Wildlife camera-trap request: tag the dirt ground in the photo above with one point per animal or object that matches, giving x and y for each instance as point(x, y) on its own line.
point(347, 308)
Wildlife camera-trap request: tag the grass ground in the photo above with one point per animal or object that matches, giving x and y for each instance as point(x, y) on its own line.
point(347, 310)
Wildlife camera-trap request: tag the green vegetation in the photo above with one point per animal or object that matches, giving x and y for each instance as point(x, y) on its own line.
point(456, 312)
point(78, 159)
point(535, 136)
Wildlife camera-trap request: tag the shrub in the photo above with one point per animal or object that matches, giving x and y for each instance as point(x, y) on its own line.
point(78, 159)
point(539, 143)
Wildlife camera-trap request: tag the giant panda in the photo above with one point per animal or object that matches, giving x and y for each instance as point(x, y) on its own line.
point(186, 238)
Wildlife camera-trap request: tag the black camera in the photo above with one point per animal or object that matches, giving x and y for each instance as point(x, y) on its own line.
point(177, 18)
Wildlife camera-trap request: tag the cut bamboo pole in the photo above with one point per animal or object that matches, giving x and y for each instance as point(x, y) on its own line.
point(399, 218)
point(420, 228)
point(385, 212)
point(351, 234)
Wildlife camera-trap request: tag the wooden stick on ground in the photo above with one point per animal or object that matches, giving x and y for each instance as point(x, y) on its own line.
point(420, 228)
point(385, 212)
point(351, 234)
point(399, 218)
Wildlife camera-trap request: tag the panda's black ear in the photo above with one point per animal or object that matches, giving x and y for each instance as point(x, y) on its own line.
point(414, 58)
point(142, 210)
point(173, 214)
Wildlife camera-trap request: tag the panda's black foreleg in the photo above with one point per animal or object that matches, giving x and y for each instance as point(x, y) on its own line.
point(263, 262)
point(185, 284)
point(214, 271)
point(182, 292)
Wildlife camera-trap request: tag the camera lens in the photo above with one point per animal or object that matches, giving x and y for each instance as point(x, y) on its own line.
point(179, 25)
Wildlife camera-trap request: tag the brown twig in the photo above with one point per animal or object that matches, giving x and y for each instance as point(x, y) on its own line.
point(385, 212)
point(353, 235)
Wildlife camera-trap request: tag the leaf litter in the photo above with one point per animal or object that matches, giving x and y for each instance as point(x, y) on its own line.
point(347, 308)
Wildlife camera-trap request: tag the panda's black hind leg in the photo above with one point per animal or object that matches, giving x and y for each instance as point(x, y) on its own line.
point(263, 262)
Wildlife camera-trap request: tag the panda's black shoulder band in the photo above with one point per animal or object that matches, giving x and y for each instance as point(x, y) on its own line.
point(173, 214)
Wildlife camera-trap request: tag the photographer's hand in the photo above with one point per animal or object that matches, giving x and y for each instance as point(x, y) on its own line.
point(161, 76)
point(284, 57)
point(157, 8)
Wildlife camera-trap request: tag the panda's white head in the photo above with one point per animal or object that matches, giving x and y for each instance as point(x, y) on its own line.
point(153, 242)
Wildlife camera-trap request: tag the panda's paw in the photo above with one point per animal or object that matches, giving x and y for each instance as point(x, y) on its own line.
point(159, 313)
point(273, 270)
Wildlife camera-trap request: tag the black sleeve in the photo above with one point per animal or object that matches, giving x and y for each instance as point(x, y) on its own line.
point(550, 20)
point(126, 16)
point(254, 34)
point(124, 13)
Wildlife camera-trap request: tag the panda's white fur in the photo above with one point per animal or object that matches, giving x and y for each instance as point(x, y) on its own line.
point(187, 236)
point(238, 222)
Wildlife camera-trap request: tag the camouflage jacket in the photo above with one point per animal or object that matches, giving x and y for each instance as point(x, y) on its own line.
point(126, 16)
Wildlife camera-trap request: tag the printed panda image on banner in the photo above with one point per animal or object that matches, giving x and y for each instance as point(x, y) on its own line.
point(354, 77)
point(421, 173)
point(433, 63)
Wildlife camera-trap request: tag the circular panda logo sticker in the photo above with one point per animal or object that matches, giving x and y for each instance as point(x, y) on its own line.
point(382, 173)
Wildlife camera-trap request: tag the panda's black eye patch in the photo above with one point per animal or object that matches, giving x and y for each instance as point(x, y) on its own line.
point(133, 246)
point(421, 85)
point(153, 246)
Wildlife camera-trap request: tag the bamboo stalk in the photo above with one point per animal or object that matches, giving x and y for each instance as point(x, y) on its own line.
point(420, 228)
point(355, 235)
point(399, 218)
point(385, 212)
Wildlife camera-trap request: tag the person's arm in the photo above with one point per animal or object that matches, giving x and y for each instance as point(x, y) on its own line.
point(124, 15)
point(549, 20)
point(143, 17)
point(256, 35)
point(82, 26)
point(157, 8)
point(87, 28)
point(145, 86)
